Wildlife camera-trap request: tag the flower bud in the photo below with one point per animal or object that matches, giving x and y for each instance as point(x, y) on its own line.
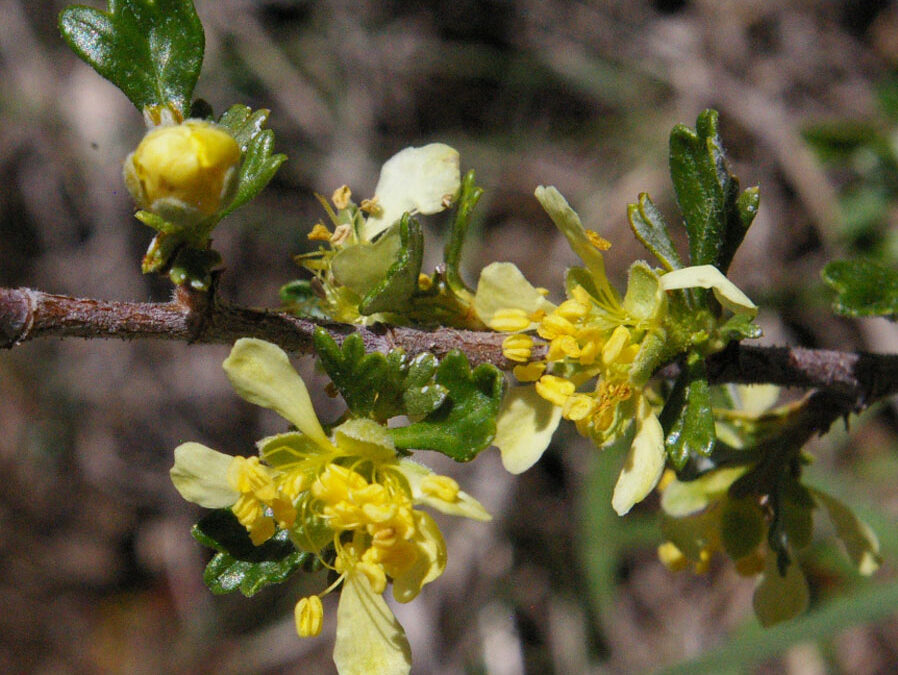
point(183, 173)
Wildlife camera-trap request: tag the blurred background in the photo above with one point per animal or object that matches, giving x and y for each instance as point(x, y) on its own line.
point(98, 572)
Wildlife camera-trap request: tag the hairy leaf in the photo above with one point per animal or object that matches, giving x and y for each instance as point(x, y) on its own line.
point(465, 423)
point(716, 215)
point(864, 288)
point(150, 49)
point(649, 227)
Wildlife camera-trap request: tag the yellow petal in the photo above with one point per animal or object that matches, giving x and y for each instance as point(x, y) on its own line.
point(369, 638)
point(429, 564)
point(200, 474)
point(261, 373)
point(644, 464)
point(502, 287)
point(524, 428)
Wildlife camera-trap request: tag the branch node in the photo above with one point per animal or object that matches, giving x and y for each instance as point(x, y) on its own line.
point(16, 316)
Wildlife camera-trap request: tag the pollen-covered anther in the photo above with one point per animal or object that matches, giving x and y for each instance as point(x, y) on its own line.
point(530, 372)
point(319, 233)
point(341, 197)
point(554, 326)
point(597, 240)
point(555, 389)
point(517, 347)
point(562, 347)
point(510, 320)
point(309, 616)
point(619, 339)
point(341, 234)
point(443, 488)
point(672, 557)
point(371, 206)
point(572, 309)
point(578, 407)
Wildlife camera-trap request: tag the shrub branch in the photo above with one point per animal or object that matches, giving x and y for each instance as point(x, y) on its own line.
point(855, 379)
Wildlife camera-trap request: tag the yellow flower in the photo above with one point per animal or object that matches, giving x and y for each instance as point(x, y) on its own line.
point(347, 492)
point(183, 173)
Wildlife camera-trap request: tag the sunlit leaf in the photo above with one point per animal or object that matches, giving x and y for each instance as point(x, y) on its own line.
point(150, 49)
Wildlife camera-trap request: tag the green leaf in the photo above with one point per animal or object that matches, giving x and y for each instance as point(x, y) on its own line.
point(864, 288)
point(393, 292)
point(716, 215)
point(379, 386)
point(256, 143)
point(860, 541)
point(299, 297)
point(465, 423)
point(194, 267)
point(150, 49)
point(686, 418)
point(649, 227)
point(741, 527)
point(241, 566)
point(468, 197)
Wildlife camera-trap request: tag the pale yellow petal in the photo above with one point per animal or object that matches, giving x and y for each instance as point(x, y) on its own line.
point(369, 638)
point(685, 498)
point(584, 245)
point(415, 180)
point(261, 373)
point(708, 276)
point(524, 427)
point(644, 464)
point(502, 286)
point(200, 474)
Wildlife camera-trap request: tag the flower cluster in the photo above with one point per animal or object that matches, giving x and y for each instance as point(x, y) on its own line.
point(346, 497)
point(602, 349)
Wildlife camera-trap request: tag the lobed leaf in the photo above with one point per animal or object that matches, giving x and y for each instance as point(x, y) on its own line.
point(239, 565)
point(465, 422)
point(715, 214)
point(259, 164)
point(376, 385)
point(150, 49)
